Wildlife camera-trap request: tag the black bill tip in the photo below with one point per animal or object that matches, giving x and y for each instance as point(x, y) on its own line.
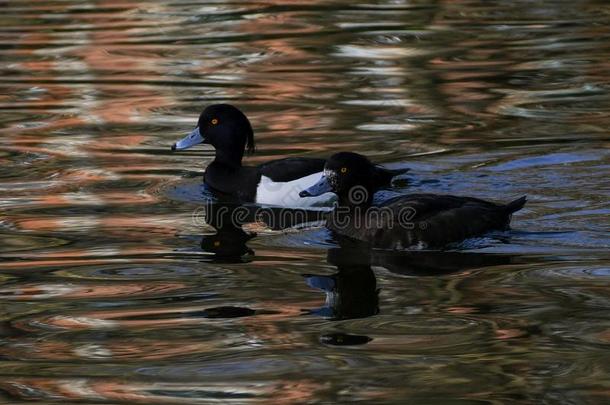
point(173, 147)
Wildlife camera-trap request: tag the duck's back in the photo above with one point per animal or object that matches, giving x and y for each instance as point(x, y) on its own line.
point(289, 169)
point(428, 220)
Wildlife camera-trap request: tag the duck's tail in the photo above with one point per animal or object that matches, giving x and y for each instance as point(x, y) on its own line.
point(515, 205)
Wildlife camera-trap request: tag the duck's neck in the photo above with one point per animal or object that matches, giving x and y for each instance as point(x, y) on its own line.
point(349, 216)
point(227, 159)
point(357, 200)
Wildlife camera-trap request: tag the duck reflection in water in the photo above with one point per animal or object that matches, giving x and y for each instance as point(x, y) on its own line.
point(352, 292)
point(228, 243)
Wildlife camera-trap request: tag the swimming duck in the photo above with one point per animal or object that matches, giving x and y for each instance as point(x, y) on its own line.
point(406, 221)
point(277, 182)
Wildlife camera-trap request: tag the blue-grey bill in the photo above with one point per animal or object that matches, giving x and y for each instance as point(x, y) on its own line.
point(321, 187)
point(191, 139)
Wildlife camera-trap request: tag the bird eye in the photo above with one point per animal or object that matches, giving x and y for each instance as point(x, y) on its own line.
point(216, 243)
point(214, 121)
point(344, 170)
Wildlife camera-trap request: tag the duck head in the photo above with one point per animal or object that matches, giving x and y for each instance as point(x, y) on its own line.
point(224, 127)
point(350, 176)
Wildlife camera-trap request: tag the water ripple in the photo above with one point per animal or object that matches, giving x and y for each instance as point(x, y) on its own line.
point(105, 270)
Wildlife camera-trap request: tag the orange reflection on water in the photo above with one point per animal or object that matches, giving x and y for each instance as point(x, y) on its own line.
point(119, 349)
point(110, 389)
point(26, 292)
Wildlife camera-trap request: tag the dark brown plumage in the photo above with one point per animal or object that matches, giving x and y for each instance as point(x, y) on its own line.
point(415, 220)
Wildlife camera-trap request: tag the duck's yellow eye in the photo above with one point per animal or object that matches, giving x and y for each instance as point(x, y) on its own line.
point(344, 170)
point(216, 243)
point(214, 121)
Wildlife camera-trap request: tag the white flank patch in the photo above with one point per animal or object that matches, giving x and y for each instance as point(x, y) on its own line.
point(286, 194)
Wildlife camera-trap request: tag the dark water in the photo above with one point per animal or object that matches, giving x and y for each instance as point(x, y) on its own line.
point(108, 297)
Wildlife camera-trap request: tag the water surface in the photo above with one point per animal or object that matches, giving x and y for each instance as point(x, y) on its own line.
point(108, 291)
